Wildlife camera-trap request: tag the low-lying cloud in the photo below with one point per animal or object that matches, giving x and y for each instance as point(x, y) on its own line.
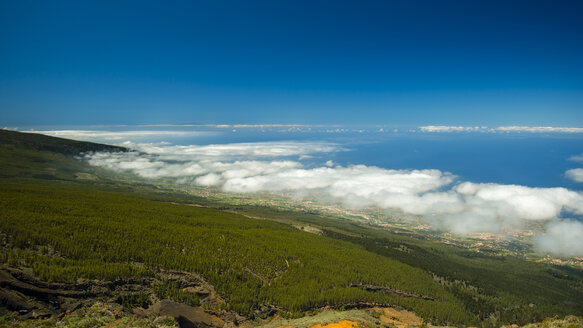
point(448, 128)
point(562, 238)
point(544, 129)
point(236, 150)
point(577, 158)
point(507, 129)
point(445, 202)
point(575, 174)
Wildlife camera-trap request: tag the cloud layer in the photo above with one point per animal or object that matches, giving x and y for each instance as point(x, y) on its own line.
point(236, 150)
point(460, 207)
point(531, 129)
point(575, 175)
point(562, 238)
point(577, 158)
point(544, 129)
point(447, 128)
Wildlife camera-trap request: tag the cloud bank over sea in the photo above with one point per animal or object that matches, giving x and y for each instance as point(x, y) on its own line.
point(575, 174)
point(506, 129)
point(461, 207)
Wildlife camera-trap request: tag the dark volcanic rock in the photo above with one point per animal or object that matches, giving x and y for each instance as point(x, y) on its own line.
point(187, 316)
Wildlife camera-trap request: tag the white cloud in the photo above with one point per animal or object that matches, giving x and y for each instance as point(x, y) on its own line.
point(562, 238)
point(343, 183)
point(576, 158)
point(270, 126)
point(543, 129)
point(446, 128)
point(237, 150)
point(575, 175)
point(210, 179)
point(513, 128)
point(507, 201)
point(488, 207)
point(153, 166)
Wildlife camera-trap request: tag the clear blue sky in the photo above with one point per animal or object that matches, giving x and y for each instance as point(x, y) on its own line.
point(367, 62)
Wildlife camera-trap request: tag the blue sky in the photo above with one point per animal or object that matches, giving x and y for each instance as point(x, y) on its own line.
point(307, 62)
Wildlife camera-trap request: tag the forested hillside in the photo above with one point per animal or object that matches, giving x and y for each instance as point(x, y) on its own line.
point(64, 221)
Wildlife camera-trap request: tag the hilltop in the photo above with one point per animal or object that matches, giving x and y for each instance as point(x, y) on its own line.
point(39, 142)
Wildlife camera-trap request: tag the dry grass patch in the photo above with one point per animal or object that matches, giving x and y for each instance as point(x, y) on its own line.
point(341, 324)
point(401, 319)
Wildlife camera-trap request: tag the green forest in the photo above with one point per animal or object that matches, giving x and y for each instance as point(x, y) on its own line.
point(65, 228)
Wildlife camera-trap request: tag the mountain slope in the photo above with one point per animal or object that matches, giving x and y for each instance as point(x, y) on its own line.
point(39, 142)
point(63, 222)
